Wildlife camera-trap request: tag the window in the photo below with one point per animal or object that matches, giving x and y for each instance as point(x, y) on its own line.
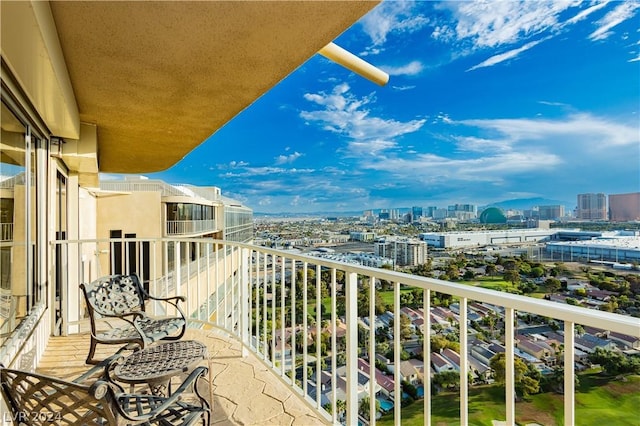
point(22, 234)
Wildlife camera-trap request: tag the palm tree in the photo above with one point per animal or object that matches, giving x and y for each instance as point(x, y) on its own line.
point(363, 408)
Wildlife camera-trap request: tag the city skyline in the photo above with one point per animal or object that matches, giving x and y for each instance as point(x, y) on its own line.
point(486, 102)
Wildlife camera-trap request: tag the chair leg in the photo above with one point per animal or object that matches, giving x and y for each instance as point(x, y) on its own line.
point(92, 351)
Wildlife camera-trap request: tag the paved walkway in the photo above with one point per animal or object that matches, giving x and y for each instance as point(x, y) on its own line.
point(244, 391)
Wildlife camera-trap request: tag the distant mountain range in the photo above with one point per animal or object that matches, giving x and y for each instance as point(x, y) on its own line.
point(515, 204)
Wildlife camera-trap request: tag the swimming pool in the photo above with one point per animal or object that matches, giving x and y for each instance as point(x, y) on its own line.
point(385, 405)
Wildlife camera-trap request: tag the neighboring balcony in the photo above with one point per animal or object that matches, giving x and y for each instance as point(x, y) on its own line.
point(176, 228)
point(6, 231)
point(305, 320)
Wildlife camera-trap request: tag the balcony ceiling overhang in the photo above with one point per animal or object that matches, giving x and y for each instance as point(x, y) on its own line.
point(158, 78)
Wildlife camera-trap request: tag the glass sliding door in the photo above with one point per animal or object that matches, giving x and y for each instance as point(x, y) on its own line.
point(22, 231)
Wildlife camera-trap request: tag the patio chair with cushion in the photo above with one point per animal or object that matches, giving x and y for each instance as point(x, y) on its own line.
point(36, 399)
point(122, 297)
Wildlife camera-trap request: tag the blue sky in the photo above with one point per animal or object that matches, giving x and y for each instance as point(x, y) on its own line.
point(487, 101)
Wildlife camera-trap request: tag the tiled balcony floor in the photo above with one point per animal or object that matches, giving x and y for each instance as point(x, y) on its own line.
point(244, 391)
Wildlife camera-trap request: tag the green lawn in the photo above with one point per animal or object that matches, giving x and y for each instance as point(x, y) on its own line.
point(493, 283)
point(600, 401)
point(387, 296)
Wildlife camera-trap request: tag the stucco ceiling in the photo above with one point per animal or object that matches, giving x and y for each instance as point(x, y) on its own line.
point(158, 78)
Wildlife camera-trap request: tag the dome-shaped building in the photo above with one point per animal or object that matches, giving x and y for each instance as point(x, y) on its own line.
point(492, 215)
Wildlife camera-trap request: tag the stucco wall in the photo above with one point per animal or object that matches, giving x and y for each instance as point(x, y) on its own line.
point(137, 213)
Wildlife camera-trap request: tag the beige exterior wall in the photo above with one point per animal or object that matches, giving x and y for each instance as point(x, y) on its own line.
point(137, 213)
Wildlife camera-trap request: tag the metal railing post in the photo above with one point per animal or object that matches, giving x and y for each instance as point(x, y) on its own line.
point(569, 373)
point(245, 295)
point(464, 367)
point(352, 347)
point(509, 374)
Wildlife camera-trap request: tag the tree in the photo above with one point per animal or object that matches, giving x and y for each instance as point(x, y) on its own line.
point(447, 379)
point(526, 377)
point(512, 276)
point(423, 270)
point(525, 268)
point(552, 285)
point(614, 363)
point(411, 390)
point(406, 299)
point(490, 269)
point(341, 406)
point(363, 408)
point(453, 272)
point(537, 272)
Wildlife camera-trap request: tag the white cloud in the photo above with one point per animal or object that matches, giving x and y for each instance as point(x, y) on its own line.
point(550, 103)
point(370, 147)
point(586, 12)
point(475, 144)
point(497, 23)
point(500, 152)
point(634, 59)
point(263, 171)
point(403, 88)
point(412, 68)
point(491, 168)
point(496, 59)
point(592, 131)
point(344, 114)
point(391, 17)
point(618, 15)
point(284, 159)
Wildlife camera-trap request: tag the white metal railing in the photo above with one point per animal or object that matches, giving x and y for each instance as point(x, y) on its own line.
point(208, 193)
point(272, 301)
point(6, 231)
point(189, 227)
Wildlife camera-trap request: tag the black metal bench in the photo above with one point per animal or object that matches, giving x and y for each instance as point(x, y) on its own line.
point(123, 297)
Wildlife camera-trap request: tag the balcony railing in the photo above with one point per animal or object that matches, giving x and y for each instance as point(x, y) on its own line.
point(152, 185)
point(276, 304)
point(6, 231)
point(190, 227)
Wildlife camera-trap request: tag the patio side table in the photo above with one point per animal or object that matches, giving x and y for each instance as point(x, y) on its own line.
point(156, 365)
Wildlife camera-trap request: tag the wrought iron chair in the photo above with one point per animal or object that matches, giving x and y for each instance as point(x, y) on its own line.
point(36, 399)
point(123, 297)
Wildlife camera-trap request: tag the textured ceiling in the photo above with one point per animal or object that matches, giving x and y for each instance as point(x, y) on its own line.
point(158, 78)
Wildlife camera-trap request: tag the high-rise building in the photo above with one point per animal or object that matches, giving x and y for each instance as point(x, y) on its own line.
point(403, 251)
point(416, 213)
point(592, 207)
point(624, 207)
point(462, 211)
point(550, 212)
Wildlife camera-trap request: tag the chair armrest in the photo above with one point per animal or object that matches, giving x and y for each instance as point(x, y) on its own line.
point(170, 300)
point(166, 299)
point(168, 402)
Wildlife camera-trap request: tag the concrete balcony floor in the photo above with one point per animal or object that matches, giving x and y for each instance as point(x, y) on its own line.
point(245, 392)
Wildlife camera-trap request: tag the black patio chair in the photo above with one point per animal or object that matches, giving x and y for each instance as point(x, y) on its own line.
point(36, 399)
point(122, 297)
